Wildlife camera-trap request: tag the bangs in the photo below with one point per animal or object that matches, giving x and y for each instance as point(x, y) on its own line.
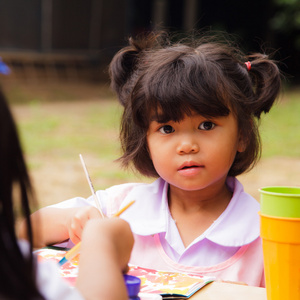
point(177, 88)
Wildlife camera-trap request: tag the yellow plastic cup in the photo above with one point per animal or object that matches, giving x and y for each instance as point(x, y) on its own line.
point(280, 201)
point(281, 250)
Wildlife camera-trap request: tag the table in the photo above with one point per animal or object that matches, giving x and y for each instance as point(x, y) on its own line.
point(229, 291)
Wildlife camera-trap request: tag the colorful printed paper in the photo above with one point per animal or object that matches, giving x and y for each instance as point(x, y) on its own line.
point(69, 271)
point(167, 284)
point(182, 285)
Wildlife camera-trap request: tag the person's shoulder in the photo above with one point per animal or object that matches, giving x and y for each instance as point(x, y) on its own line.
point(118, 195)
point(238, 190)
point(128, 187)
point(125, 188)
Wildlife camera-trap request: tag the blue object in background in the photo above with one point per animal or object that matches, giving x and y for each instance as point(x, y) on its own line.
point(4, 69)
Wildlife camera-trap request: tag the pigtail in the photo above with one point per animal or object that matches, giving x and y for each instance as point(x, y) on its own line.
point(124, 67)
point(266, 81)
point(121, 69)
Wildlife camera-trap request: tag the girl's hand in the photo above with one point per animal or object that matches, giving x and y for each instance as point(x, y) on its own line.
point(116, 235)
point(76, 222)
point(105, 251)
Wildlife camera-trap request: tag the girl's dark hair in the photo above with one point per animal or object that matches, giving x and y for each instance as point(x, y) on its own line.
point(17, 270)
point(206, 76)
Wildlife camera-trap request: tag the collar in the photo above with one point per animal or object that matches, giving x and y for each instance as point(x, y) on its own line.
point(236, 226)
point(148, 214)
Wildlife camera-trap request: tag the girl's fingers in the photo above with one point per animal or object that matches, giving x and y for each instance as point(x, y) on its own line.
point(79, 220)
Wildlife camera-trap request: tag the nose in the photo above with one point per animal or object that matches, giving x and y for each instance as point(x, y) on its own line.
point(187, 146)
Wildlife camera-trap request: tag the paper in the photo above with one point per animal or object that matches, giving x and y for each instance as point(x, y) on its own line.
point(177, 285)
point(69, 271)
point(171, 285)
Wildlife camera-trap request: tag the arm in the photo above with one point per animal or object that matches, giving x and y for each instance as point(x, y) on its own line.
point(105, 251)
point(54, 225)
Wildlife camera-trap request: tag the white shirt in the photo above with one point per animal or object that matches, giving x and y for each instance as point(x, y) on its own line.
point(238, 225)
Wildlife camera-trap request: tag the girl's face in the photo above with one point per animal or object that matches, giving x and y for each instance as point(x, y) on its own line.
point(195, 153)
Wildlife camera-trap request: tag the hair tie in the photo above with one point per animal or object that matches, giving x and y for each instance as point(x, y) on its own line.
point(248, 65)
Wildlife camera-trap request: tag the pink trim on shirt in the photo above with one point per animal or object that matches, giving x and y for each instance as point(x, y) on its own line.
point(191, 269)
point(246, 265)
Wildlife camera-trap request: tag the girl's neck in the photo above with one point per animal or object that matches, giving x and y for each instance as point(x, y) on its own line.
point(205, 199)
point(195, 211)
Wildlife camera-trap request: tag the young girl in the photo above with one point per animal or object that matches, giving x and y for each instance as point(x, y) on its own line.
point(100, 277)
point(190, 120)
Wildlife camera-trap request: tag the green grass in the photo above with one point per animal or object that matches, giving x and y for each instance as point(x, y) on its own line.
point(90, 129)
point(60, 130)
point(69, 136)
point(95, 128)
point(280, 129)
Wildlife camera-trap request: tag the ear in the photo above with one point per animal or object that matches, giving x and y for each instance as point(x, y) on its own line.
point(242, 143)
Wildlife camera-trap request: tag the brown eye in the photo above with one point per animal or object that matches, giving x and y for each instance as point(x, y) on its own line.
point(166, 129)
point(207, 125)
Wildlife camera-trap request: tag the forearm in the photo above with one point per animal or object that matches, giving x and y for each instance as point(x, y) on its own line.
point(49, 226)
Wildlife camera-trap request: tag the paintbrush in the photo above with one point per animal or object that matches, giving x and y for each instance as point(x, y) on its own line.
point(91, 186)
point(75, 250)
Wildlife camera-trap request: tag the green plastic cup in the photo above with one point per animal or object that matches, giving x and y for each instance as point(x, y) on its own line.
point(280, 201)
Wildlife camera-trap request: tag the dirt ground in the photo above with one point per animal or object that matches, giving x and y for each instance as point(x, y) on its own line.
point(62, 180)
point(279, 171)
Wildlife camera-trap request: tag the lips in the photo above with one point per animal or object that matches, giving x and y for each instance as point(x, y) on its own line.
point(190, 169)
point(189, 165)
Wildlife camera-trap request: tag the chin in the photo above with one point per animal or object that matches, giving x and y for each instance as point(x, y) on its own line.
point(188, 187)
